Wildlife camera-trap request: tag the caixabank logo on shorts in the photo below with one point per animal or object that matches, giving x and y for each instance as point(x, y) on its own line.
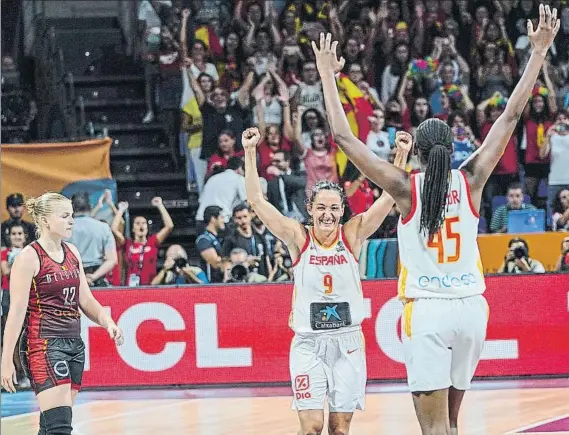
point(330, 315)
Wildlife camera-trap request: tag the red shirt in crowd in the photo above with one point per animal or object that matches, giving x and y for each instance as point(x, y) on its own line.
point(144, 267)
point(508, 163)
point(217, 160)
point(5, 279)
point(362, 199)
point(532, 148)
point(114, 276)
point(265, 155)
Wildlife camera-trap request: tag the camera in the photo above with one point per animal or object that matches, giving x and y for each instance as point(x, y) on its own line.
point(520, 252)
point(239, 273)
point(179, 263)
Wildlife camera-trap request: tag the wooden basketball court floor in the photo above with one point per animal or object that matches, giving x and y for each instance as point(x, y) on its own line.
point(491, 408)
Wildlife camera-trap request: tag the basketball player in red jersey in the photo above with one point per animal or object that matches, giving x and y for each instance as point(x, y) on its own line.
point(442, 281)
point(48, 286)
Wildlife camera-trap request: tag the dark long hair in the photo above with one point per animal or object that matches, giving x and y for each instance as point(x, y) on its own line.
point(434, 142)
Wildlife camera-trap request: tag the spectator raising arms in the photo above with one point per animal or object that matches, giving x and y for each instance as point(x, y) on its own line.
point(141, 252)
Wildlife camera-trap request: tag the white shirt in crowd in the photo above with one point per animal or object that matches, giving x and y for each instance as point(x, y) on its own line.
point(210, 69)
point(226, 190)
point(558, 173)
point(379, 144)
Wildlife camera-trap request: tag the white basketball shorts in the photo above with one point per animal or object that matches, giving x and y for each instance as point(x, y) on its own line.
point(443, 341)
point(332, 365)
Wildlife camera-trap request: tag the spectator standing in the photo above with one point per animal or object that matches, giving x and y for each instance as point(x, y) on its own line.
point(225, 190)
point(507, 170)
point(94, 240)
point(515, 197)
point(556, 147)
point(286, 191)
point(141, 252)
point(225, 150)
point(209, 243)
point(15, 207)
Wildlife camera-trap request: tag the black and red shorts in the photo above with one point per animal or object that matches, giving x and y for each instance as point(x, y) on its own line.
point(50, 362)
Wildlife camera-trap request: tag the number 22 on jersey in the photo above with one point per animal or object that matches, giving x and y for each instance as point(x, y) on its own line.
point(439, 241)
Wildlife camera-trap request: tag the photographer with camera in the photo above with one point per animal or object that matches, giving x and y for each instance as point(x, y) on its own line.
point(517, 260)
point(176, 269)
point(239, 268)
point(563, 262)
point(282, 269)
point(249, 240)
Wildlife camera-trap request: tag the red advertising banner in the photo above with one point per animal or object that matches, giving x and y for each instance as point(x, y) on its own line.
point(239, 333)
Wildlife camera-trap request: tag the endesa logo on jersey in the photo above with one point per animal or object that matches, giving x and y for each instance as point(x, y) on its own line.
point(447, 281)
point(234, 334)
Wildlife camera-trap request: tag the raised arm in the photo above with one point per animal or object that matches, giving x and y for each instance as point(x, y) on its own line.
point(360, 227)
point(384, 174)
point(481, 164)
point(166, 219)
point(290, 231)
point(116, 224)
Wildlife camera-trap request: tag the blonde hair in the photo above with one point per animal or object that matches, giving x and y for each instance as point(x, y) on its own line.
point(43, 206)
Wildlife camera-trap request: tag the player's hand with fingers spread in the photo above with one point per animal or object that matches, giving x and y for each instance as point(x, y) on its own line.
point(542, 38)
point(9, 379)
point(403, 141)
point(326, 56)
point(116, 334)
point(250, 138)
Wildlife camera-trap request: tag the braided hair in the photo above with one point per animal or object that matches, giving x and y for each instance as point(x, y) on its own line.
point(434, 140)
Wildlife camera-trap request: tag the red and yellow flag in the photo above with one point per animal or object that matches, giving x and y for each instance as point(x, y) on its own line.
point(209, 38)
point(357, 110)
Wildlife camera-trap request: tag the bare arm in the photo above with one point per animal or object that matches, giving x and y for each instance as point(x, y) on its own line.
point(481, 164)
point(544, 150)
point(384, 174)
point(91, 306)
point(551, 98)
point(116, 224)
point(243, 94)
point(166, 219)
point(5, 268)
point(365, 224)
point(288, 230)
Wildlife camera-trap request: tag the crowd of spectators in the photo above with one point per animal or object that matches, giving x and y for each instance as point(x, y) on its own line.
point(215, 67)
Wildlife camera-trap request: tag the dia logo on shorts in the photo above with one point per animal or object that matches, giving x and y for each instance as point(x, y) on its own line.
point(301, 383)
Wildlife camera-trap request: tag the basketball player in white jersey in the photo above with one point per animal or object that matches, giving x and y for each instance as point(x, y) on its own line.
point(441, 283)
point(327, 357)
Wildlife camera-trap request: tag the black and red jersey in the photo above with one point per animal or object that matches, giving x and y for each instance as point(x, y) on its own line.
point(53, 307)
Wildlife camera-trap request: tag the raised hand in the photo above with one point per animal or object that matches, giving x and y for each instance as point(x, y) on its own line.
point(123, 206)
point(250, 138)
point(326, 56)
point(542, 38)
point(156, 201)
point(403, 141)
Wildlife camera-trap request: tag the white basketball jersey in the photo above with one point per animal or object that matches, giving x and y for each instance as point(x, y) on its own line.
point(327, 294)
point(448, 264)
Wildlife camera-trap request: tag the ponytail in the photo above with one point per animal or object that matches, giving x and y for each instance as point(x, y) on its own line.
point(435, 187)
point(434, 141)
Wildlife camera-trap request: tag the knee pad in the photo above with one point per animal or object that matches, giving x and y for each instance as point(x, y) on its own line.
point(58, 420)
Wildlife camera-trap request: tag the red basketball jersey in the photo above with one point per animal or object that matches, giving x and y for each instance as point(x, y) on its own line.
point(53, 307)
